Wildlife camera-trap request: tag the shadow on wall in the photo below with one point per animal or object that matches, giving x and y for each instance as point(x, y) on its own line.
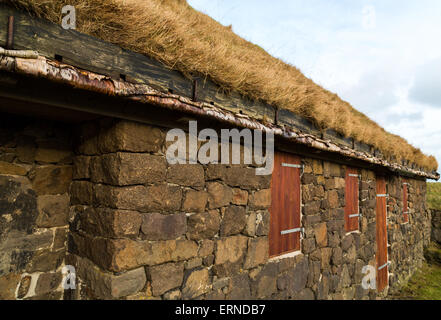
point(436, 226)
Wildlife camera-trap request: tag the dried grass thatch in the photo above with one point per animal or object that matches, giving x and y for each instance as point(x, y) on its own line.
point(190, 41)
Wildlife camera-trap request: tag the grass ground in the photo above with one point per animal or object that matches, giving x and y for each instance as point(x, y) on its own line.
point(434, 195)
point(426, 283)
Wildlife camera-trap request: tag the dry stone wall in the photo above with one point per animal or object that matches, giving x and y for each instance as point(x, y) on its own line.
point(140, 228)
point(35, 175)
point(144, 229)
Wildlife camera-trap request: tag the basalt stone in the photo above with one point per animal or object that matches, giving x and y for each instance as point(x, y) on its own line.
point(240, 197)
point(262, 223)
point(347, 242)
point(8, 284)
point(206, 248)
point(233, 221)
point(110, 223)
point(250, 227)
point(81, 192)
point(19, 201)
point(264, 283)
point(305, 294)
point(52, 179)
point(257, 254)
point(48, 282)
point(323, 288)
point(53, 151)
point(230, 249)
point(81, 167)
point(337, 256)
point(260, 199)
point(195, 201)
point(203, 225)
point(12, 169)
point(124, 254)
point(130, 136)
point(308, 178)
point(295, 279)
point(165, 277)
point(156, 226)
point(45, 260)
point(239, 288)
point(246, 178)
point(53, 210)
point(60, 239)
point(107, 285)
point(333, 239)
point(122, 169)
point(191, 175)
point(308, 245)
point(312, 208)
point(23, 289)
point(326, 254)
point(196, 283)
point(333, 199)
point(321, 235)
point(157, 198)
point(219, 195)
point(26, 148)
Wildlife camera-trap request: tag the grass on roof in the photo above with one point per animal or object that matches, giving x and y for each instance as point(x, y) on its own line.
point(192, 42)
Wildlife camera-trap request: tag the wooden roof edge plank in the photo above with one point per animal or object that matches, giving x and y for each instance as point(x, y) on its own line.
point(80, 79)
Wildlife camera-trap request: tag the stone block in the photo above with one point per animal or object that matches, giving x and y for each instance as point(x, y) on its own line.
point(130, 136)
point(52, 179)
point(230, 249)
point(53, 210)
point(203, 225)
point(196, 283)
point(240, 197)
point(195, 201)
point(257, 253)
point(219, 195)
point(123, 169)
point(191, 175)
point(165, 277)
point(156, 226)
point(260, 199)
point(233, 221)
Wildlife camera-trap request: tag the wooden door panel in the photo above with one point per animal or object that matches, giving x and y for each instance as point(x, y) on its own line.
point(351, 200)
point(405, 203)
point(285, 204)
point(381, 235)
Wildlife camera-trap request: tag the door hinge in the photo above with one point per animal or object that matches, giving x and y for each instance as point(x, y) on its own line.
point(384, 265)
point(301, 230)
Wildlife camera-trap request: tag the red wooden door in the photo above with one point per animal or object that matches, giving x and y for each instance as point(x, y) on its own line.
point(405, 205)
point(284, 233)
point(351, 200)
point(382, 267)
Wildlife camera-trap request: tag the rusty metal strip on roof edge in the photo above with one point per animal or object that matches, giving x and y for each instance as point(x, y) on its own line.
point(81, 79)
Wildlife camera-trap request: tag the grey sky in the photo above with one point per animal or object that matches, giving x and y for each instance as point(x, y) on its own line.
point(383, 56)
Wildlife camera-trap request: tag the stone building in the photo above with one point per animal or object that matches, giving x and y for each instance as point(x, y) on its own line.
point(84, 182)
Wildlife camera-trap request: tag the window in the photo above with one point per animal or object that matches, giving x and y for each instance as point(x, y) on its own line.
point(285, 230)
point(352, 212)
point(405, 204)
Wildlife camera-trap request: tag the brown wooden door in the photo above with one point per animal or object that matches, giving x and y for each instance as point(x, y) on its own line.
point(405, 204)
point(285, 205)
point(351, 200)
point(382, 267)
